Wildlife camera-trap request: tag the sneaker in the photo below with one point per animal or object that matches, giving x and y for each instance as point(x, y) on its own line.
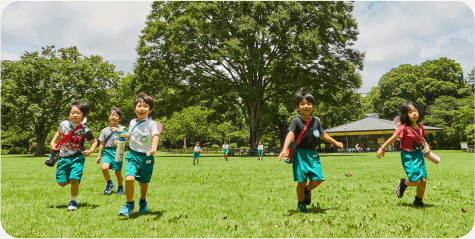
point(302, 208)
point(197, 164)
point(143, 207)
point(72, 206)
point(308, 198)
point(126, 210)
point(109, 188)
point(401, 187)
point(193, 163)
point(418, 204)
point(120, 191)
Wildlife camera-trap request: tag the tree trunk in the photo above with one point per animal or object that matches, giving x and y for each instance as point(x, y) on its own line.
point(254, 111)
point(41, 135)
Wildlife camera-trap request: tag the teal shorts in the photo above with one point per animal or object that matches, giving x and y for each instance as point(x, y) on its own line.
point(108, 156)
point(196, 155)
point(225, 151)
point(139, 165)
point(70, 167)
point(306, 165)
point(414, 165)
point(259, 153)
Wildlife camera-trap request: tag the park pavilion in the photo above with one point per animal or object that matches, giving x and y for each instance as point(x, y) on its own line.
point(370, 133)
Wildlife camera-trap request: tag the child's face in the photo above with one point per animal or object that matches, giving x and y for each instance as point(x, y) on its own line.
point(305, 107)
point(413, 114)
point(75, 115)
point(142, 110)
point(197, 144)
point(260, 143)
point(114, 118)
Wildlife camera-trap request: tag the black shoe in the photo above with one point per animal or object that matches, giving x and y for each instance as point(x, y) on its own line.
point(308, 198)
point(418, 204)
point(401, 187)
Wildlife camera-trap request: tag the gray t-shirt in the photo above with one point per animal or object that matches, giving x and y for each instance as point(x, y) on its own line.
point(105, 134)
point(308, 140)
point(75, 144)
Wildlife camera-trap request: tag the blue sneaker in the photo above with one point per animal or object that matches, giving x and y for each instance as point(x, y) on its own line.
point(72, 206)
point(302, 208)
point(143, 207)
point(109, 188)
point(127, 209)
point(120, 191)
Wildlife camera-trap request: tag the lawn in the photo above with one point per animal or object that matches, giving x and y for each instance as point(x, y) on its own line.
point(243, 197)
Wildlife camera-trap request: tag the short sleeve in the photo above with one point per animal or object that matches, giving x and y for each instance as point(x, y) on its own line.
point(153, 128)
point(401, 132)
point(89, 135)
point(102, 136)
point(318, 126)
point(293, 125)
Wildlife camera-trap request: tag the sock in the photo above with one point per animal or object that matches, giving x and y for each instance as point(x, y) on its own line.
point(306, 190)
point(74, 198)
point(418, 199)
point(110, 181)
point(142, 200)
point(300, 203)
point(131, 202)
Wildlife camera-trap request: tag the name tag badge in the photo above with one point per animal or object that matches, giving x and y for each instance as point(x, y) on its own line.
point(316, 133)
point(148, 161)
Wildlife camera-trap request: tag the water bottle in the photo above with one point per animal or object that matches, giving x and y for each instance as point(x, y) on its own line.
point(119, 152)
point(52, 158)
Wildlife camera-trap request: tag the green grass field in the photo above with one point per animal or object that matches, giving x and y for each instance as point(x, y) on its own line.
point(243, 198)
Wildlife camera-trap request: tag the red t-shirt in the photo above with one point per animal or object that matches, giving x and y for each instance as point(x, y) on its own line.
point(409, 140)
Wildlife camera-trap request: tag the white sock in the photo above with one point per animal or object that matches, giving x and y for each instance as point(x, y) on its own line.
point(74, 198)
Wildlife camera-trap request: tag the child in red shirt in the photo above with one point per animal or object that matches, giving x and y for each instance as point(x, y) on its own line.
point(412, 146)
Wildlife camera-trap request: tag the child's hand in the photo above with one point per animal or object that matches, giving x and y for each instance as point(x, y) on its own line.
point(53, 148)
point(125, 135)
point(86, 153)
point(98, 159)
point(380, 153)
point(283, 153)
point(339, 145)
point(427, 150)
point(151, 152)
point(116, 142)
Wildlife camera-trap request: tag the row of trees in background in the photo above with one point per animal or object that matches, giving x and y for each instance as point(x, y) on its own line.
point(228, 70)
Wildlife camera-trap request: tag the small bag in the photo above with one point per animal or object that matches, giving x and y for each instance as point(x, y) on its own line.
point(293, 145)
point(54, 155)
point(431, 156)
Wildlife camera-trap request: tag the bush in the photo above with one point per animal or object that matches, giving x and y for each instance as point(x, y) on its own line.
point(46, 149)
point(4, 152)
point(14, 150)
point(233, 146)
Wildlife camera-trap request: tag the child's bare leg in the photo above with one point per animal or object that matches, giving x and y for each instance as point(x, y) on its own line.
point(105, 171)
point(63, 184)
point(197, 161)
point(74, 187)
point(129, 188)
point(143, 190)
point(415, 183)
point(118, 174)
point(421, 188)
point(313, 184)
point(301, 191)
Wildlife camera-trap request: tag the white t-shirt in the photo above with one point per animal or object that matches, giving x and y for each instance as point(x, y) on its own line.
point(260, 147)
point(225, 146)
point(141, 136)
point(197, 148)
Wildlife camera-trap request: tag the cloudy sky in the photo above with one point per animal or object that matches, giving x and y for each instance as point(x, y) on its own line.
point(391, 33)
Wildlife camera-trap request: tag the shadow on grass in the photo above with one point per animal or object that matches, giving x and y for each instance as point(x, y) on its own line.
point(405, 204)
point(135, 215)
point(80, 205)
point(311, 209)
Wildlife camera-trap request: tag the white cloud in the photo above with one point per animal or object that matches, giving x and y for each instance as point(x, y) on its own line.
point(10, 56)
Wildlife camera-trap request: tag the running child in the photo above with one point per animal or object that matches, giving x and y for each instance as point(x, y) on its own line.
point(306, 165)
point(196, 154)
point(107, 147)
point(412, 145)
point(72, 153)
point(225, 148)
point(260, 148)
point(143, 135)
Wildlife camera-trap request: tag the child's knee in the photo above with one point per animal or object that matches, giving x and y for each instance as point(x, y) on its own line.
point(130, 178)
point(105, 167)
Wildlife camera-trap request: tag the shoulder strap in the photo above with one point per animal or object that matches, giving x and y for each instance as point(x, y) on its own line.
point(414, 132)
point(138, 124)
point(303, 131)
point(61, 141)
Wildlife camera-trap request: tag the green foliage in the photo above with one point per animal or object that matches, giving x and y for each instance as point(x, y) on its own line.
point(244, 53)
point(469, 133)
point(17, 150)
point(37, 89)
point(4, 152)
point(46, 149)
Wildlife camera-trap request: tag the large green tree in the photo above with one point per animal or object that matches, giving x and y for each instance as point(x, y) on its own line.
point(37, 89)
point(248, 53)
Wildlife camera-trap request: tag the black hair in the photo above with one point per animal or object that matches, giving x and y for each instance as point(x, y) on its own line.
point(117, 111)
point(84, 107)
point(300, 95)
point(404, 109)
point(145, 98)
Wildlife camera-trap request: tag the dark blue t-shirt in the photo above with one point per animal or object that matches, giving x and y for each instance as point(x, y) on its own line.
point(308, 140)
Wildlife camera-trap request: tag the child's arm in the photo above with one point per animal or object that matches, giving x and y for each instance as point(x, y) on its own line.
point(55, 138)
point(154, 146)
point(101, 148)
point(287, 141)
point(331, 140)
point(86, 153)
point(386, 144)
